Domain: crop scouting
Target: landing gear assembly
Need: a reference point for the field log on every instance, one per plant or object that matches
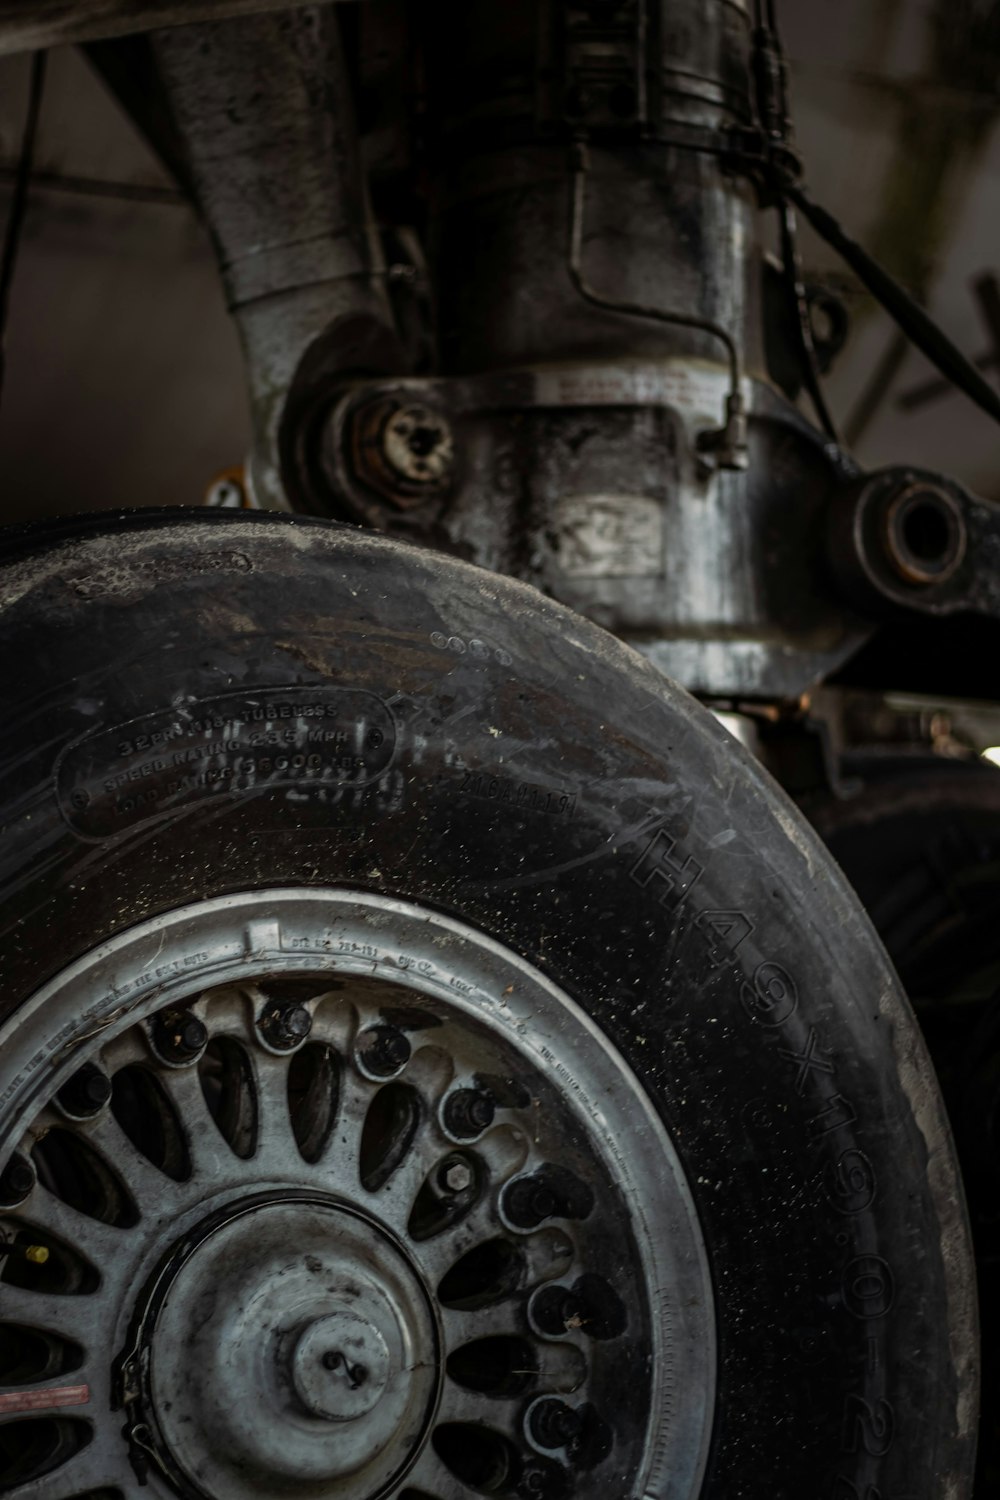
(435, 1059)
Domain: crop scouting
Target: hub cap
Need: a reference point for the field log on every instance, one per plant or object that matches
(322, 1194)
(290, 1342)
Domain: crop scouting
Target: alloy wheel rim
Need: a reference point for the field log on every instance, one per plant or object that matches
(446, 1244)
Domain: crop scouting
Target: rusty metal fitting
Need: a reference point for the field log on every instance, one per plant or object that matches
(924, 534)
(229, 491)
(405, 451)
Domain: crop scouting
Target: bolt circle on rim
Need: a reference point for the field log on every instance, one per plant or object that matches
(276, 1267)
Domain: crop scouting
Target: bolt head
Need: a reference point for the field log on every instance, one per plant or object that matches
(296, 1023)
(192, 1034)
(285, 1026)
(468, 1112)
(481, 1112)
(179, 1037)
(17, 1181)
(20, 1177)
(97, 1089)
(458, 1177)
(86, 1093)
(543, 1202)
(554, 1424)
(384, 1050)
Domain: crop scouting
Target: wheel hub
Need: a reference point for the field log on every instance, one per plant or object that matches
(340, 1367)
(287, 1341)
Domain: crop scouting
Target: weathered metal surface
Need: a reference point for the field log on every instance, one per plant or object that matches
(28, 24)
(597, 330)
(906, 540)
(587, 481)
(666, 226)
(264, 115)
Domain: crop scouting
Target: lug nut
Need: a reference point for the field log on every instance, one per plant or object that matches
(384, 1050)
(554, 1424)
(456, 1176)
(284, 1027)
(17, 1181)
(178, 1036)
(86, 1093)
(556, 1310)
(527, 1202)
(533, 1483)
(468, 1112)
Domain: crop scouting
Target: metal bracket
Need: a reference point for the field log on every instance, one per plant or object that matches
(593, 66)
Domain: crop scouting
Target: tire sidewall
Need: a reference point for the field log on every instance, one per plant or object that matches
(546, 786)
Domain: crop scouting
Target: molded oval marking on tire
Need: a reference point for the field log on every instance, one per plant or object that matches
(851, 1182)
(303, 739)
(869, 1287)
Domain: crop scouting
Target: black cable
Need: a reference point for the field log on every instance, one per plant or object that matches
(19, 196)
(800, 310)
(782, 172)
(771, 86)
(918, 327)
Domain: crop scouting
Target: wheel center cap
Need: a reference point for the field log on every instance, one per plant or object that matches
(340, 1367)
(288, 1339)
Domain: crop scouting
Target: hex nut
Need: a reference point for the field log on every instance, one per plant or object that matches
(85, 1094)
(384, 1050)
(284, 1027)
(457, 1176)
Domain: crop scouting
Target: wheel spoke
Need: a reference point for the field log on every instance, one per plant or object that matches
(430, 1477)
(504, 1150)
(93, 1468)
(84, 1318)
(506, 1318)
(335, 1022)
(394, 1200)
(127, 1047)
(444, 1249)
(208, 1152)
(98, 1243)
(337, 1165)
(500, 1413)
(356, 1094)
(276, 1143)
(154, 1192)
